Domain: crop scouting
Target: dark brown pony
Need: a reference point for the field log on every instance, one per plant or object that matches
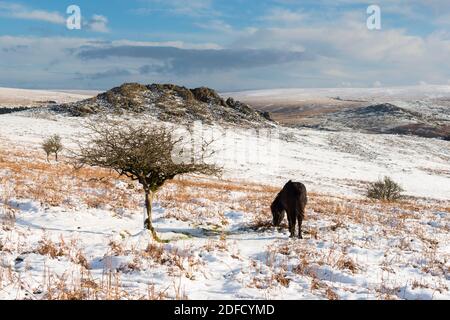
(291, 199)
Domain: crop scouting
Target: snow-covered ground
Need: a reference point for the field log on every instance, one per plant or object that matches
(65, 235)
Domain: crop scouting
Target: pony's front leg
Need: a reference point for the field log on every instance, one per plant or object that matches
(291, 221)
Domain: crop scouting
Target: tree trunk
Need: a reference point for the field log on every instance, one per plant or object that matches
(56, 156)
(148, 222)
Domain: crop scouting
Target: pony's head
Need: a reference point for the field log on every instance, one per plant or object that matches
(277, 211)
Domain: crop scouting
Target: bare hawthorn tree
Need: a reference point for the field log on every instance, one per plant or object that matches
(141, 153)
(52, 145)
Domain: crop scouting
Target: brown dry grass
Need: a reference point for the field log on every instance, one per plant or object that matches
(47, 247)
(59, 184)
(85, 287)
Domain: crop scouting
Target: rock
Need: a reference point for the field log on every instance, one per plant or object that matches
(169, 102)
(208, 96)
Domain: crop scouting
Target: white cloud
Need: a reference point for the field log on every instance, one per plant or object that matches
(377, 84)
(284, 16)
(216, 25)
(346, 84)
(19, 11)
(443, 20)
(344, 49)
(51, 62)
(98, 23)
(179, 7)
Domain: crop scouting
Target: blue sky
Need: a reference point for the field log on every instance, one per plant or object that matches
(227, 45)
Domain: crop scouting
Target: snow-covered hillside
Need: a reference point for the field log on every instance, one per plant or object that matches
(417, 110)
(69, 234)
(336, 162)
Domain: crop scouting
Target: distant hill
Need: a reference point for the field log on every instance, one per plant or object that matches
(383, 118)
(169, 103)
(413, 110)
(11, 98)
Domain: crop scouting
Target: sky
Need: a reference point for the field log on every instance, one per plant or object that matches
(229, 45)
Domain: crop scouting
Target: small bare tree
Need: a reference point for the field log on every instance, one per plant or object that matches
(52, 145)
(141, 153)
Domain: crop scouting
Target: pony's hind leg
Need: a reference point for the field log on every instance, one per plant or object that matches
(300, 221)
(292, 221)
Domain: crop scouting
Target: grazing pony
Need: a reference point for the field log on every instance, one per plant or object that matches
(291, 199)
